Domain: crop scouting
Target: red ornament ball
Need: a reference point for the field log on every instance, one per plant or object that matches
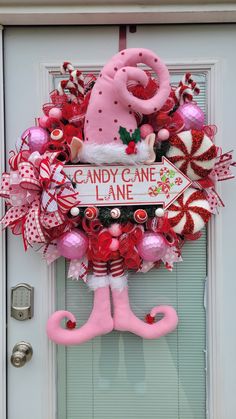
(140, 216)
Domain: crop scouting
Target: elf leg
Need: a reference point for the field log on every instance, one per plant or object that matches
(100, 321)
(125, 319)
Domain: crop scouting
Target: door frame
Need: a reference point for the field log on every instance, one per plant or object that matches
(115, 12)
(215, 275)
(3, 335)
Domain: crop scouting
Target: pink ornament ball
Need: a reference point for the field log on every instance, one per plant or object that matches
(145, 130)
(152, 246)
(192, 115)
(114, 246)
(55, 113)
(163, 134)
(37, 139)
(73, 244)
(43, 121)
(115, 230)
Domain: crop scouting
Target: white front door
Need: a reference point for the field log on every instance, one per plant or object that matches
(32, 60)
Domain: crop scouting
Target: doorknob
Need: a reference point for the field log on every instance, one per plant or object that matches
(21, 353)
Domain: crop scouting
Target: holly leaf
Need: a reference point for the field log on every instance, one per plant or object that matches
(163, 178)
(136, 137)
(124, 135)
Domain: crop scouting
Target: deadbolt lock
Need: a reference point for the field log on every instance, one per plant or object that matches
(22, 302)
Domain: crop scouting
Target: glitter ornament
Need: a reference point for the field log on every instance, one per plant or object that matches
(152, 246)
(37, 139)
(91, 213)
(115, 230)
(140, 216)
(192, 115)
(159, 212)
(72, 244)
(193, 152)
(163, 134)
(145, 130)
(190, 212)
(115, 213)
(75, 211)
(55, 113)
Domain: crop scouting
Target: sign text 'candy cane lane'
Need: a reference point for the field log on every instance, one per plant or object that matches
(155, 184)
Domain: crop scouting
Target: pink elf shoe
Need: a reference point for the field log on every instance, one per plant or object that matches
(125, 319)
(100, 321)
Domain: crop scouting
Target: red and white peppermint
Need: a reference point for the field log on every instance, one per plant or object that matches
(193, 153)
(91, 213)
(190, 212)
(164, 171)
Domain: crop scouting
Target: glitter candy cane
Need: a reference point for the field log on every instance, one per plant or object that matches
(187, 89)
(75, 84)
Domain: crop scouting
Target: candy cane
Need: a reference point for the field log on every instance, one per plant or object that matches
(187, 89)
(75, 84)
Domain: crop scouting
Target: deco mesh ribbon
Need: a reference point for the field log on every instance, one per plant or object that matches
(41, 201)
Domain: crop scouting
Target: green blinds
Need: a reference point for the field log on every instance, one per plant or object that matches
(121, 376)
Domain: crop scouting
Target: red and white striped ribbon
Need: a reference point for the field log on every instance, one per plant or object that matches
(99, 268)
(117, 267)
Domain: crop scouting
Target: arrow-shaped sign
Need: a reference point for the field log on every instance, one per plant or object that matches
(154, 184)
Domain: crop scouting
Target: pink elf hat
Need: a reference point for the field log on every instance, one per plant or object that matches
(112, 106)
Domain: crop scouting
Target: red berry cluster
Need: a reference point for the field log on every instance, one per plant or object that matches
(131, 149)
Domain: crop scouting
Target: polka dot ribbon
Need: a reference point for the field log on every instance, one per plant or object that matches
(38, 197)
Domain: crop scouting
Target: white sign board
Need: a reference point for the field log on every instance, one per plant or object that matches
(154, 184)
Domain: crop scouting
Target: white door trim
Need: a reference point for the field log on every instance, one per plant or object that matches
(97, 12)
(2, 250)
(215, 276)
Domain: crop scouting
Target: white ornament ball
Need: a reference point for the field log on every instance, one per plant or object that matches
(115, 213)
(159, 212)
(75, 211)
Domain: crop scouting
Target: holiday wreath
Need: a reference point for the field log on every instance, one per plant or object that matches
(117, 174)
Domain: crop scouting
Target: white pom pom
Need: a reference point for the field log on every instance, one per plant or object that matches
(75, 211)
(159, 212)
